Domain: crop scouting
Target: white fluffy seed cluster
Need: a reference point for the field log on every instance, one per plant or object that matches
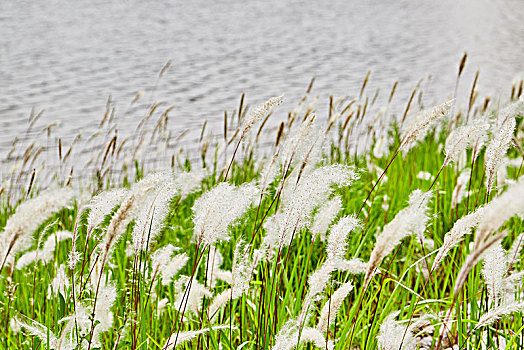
(395, 336)
(299, 200)
(418, 127)
(167, 266)
(502, 135)
(496, 213)
(325, 216)
(304, 146)
(102, 204)
(219, 208)
(178, 338)
(189, 294)
(409, 221)
(45, 254)
(501, 209)
(463, 226)
(497, 148)
(29, 215)
(258, 113)
(461, 187)
(330, 310)
(473, 135)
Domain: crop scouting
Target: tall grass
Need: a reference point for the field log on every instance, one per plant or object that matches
(363, 231)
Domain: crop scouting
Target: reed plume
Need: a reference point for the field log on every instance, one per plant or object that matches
(216, 210)
(300, 198)
(178, 338)
(330, 310)
(496, 313)
(502, 136)
(325, 216)
(409, 221)
(468, 136)
(419, 126)
(461, 227)
(395, 336)
(166, 266)
(495, 214)
(18, 230)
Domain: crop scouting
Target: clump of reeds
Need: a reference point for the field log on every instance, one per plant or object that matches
(281, 252)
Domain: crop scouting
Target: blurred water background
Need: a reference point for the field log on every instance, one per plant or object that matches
(68, 57)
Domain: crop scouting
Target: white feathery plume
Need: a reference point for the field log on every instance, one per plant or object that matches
(288, 337)
(331, 307)
(472, 135)
(242, 270)
(419, 126)
(497, 264)
(499, 210)
(284, 338)
(165, 265)
(474, 257)
(500, 143)
(155, 186)
(152, 216)
(216, 210)
(353, 266)
(102, 204)
(313, 335)
(302, 145)
(14, 325)
(300, 200)
(494, 268)
(182, 337)
(409, 221)
(258, 113)
(394, 336)
(461, 187)
(81, 319)
(189, 182)
(218, 301)
(105, 300)
(46, 253)
(268, 172)
(117, 227)
(511, 285)
(44, 333)
(338, 235)
(129, 210)
(151, 182)
(157, 194)
(317, 281)
(18, 230)
(325, 216)
(189, 300)
(462, 226)
(498, 312)
(73, 257)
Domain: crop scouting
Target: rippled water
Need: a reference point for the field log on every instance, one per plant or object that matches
(67, 57)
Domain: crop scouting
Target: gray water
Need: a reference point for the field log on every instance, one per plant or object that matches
(67, 57)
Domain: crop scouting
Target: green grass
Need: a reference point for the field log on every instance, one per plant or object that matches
(278, 288)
